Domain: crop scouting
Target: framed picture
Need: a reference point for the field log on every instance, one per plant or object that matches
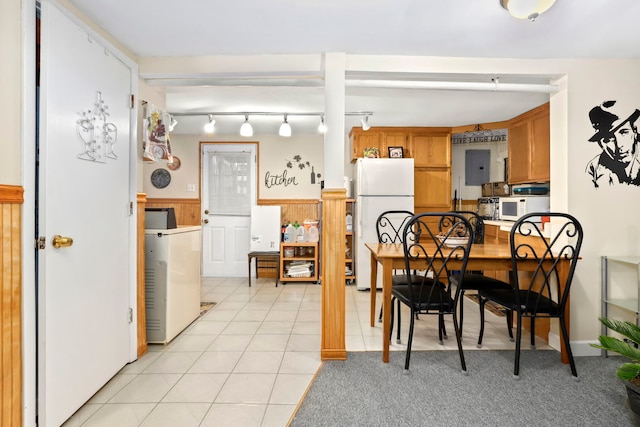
(396, 152)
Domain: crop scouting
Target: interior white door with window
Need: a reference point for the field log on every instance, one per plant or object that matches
(228, 192)
(84, 195)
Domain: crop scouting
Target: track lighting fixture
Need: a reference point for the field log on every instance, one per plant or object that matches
(527, 9)
(285, 128)
(210, 126)
(322, 128)
(246, 129)
(365, 123)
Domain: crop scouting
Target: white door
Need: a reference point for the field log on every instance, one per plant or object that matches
(84, 194)
(228, 192)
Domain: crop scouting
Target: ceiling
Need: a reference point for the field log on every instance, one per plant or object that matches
(452, 28)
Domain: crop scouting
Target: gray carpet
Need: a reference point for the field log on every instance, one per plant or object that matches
(363, 391)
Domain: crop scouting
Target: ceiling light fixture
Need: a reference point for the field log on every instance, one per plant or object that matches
(210, 126)
(246, 129)
(527, 9)
(322, 128)
(365, 123)
(285, 128)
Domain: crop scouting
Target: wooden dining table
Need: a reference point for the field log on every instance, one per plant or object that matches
(487, 256)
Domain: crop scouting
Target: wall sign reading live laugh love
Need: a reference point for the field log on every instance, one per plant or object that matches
(480, 136)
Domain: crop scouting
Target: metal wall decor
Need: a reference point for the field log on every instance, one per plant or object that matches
(96, 133)
(160, 178)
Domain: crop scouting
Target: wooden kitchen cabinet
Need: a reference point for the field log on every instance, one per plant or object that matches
(361, 139)
(529, 150)
(395, 138)
(430, 149)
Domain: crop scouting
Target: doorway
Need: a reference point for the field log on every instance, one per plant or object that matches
(229, 188)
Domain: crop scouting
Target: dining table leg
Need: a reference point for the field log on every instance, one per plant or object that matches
(372, 289)
(387, 276)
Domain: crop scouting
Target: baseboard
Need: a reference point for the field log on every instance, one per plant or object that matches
(579, 348)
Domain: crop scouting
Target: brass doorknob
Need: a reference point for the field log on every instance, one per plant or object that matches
(206, 221)
(59, 241)
(206, 212)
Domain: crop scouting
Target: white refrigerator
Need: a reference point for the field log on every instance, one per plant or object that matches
(380, 185)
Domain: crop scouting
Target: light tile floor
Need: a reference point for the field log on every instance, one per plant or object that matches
(248, 361)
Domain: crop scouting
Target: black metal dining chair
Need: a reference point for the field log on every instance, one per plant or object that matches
(432, 254)
(389, 226)
(543, 292)
(473, 280)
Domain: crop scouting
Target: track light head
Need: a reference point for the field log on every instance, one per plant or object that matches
(246, 129)
(365, 123)
(172, 124)
(210, 126)
(322, 128)
(285, 128)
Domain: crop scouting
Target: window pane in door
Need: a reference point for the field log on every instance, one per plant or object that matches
(229, 183)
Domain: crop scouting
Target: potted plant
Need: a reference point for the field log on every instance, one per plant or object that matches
(628, 372)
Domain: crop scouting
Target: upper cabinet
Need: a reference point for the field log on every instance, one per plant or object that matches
(529, 136)
(433, 143)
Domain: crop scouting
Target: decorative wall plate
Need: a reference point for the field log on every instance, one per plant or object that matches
(175, 165)
(160, 178)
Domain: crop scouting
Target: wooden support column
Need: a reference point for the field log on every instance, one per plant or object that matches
(333, 345)
(11, 201)
(141, 282)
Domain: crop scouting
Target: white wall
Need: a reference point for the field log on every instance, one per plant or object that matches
(498, 151)
(275, 153)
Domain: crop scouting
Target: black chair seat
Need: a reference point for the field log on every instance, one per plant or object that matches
(426, 298)
(531, 303)
(403, 279)
(478, 282)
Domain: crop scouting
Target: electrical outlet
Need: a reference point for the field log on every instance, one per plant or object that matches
(191, 188)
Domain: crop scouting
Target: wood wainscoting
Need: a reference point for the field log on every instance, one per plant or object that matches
(187, 210)
(11, 200)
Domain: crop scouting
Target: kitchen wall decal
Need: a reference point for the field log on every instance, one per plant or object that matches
(290, 176)
(96, 133)
(616, 132)
(155, 136)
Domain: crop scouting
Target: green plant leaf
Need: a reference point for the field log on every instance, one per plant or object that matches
(627, 329)
(628, 371)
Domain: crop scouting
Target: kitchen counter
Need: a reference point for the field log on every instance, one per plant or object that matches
(507, 225)
(504, 225)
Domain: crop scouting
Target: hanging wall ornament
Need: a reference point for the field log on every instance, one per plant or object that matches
(96, 133)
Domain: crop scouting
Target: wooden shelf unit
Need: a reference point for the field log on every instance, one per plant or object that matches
(349, 261)
(302, 251)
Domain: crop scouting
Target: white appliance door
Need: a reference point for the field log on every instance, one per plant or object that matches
(368, 209)
(265, 228)
(384, 177)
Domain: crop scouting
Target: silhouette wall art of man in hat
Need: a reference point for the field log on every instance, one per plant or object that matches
(617, 135)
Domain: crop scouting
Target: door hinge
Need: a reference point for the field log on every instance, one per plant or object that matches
(130, 315)
(133, 100)
(41, 242)
(130, 208)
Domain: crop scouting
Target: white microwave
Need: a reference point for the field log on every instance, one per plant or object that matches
(512, 208)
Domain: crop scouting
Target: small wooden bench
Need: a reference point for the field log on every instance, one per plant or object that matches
(267, 256)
